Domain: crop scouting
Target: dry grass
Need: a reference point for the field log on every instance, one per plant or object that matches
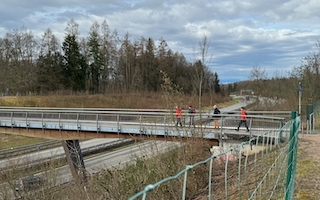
(221, 104)
(282, 105)
(307, 183)
(122, 183)
(123, 100)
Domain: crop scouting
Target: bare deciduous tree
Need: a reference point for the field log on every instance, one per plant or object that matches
(201, 60)
(257, 76)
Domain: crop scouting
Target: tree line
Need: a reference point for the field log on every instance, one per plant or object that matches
(286, 85)
(100, 62)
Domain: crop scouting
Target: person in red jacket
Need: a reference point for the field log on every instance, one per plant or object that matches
(178, 115)
(243, 119)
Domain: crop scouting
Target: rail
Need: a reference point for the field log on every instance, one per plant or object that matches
(127, 110)
(28, 148)
(158, 123)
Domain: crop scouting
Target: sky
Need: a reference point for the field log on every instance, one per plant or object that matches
(272, 34)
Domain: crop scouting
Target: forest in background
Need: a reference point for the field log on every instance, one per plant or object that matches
(103, 62)
(286, 85)
(99, 63)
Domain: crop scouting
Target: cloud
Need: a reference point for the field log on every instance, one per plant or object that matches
(274, 34)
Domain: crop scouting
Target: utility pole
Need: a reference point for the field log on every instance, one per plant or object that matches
(300, 89)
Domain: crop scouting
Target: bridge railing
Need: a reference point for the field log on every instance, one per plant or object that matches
(261, 168)
(135, 122)
(55, 109)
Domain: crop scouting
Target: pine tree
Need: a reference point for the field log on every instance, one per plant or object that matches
(217, 88)
(75, 67)
(95, 58)
(151, 67)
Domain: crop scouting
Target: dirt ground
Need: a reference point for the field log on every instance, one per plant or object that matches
(307, 182)
(307, 185)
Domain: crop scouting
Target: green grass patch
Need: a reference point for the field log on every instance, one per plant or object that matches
(7, 141)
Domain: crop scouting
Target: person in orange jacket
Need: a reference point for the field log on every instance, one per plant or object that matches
(243, 119)
(178, 115)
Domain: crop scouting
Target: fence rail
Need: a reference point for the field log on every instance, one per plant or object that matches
(261, 168)
(125, 110)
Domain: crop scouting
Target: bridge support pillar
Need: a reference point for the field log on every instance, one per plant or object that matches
(75, 159)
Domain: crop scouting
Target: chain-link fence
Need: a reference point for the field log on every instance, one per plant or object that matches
(261, 168)
(310, 112)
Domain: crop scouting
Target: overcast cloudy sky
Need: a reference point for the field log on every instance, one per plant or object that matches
(274, 34)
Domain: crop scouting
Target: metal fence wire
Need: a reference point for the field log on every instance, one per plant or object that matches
(310, 111)
(316, 107)
(262, 168)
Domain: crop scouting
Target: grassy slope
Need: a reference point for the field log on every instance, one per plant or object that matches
(7, 141)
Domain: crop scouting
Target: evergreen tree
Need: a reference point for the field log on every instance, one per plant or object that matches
(216, 83)
(95, 58)
(151, 67)
(75, 67)
(99, 62)
(235, 87)
(230, 88)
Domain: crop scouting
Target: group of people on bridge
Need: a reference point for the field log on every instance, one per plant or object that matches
(216, 111)
(179, 115)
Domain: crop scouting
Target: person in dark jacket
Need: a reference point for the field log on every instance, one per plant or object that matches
(243, 119)
(216, 111)
(191, 111)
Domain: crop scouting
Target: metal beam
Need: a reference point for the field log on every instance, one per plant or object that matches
(73, 134)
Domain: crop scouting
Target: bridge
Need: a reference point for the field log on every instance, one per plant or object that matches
(71, 124)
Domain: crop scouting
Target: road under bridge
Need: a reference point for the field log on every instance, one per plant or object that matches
(70, 125)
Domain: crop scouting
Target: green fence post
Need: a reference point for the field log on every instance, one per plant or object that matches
(291, 140)
(294, 165)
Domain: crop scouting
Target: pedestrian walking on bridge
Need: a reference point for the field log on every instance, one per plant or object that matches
(215, 118)
(191, 111)
(178, 115)
(243, 119)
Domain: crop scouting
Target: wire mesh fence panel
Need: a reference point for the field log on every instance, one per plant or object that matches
(106, 117)
(261, 168)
